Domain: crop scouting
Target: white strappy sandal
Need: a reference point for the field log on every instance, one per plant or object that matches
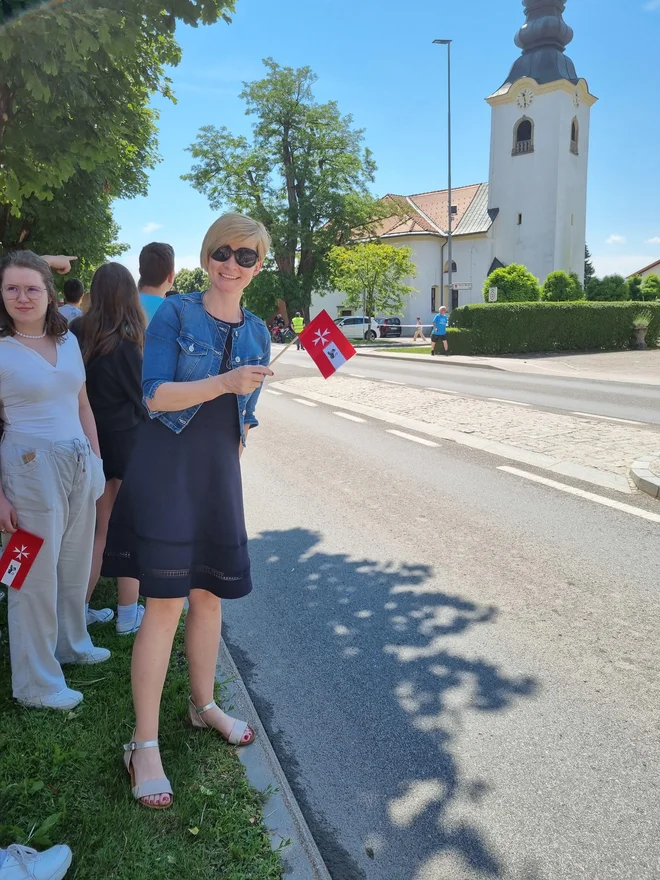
(151, 786)
(238, 731)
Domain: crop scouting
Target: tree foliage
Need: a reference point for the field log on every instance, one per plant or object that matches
(514, 284)
(635, 288)
(304, 174)
(191, 281)
(561, 287)
(611, 288)
(371, 276)
(75, 82)
(651, 288)
(589, 271)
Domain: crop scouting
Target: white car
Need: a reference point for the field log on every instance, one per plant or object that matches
(358, 327)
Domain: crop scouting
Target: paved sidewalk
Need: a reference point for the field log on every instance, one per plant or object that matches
(635, 367)
(589, 449)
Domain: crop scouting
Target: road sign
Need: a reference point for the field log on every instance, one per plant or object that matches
(461, 285)
(492, 295)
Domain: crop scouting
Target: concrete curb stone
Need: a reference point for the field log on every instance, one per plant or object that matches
(283, 819)
(644, 478)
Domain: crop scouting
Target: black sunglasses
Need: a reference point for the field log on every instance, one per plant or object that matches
(245, 257)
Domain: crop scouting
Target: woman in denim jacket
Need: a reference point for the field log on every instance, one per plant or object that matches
(178, 524)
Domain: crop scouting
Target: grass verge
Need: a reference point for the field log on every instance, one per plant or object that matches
(62, 780)
(418, 349)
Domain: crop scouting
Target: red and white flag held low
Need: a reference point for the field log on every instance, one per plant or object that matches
(326, 344)
(18, 558)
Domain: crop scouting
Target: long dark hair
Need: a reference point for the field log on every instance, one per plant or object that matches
(56, 325)
(114, 313)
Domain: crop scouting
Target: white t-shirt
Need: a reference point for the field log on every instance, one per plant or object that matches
(37, 398)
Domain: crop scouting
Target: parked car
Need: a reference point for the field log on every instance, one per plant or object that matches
(390, 327)
(358, 327)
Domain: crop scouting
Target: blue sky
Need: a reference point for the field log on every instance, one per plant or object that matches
(375, 58)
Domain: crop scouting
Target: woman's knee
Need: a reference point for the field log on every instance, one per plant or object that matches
(164, 610)
(204, 601)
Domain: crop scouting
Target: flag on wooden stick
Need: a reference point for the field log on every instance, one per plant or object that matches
(326, 344)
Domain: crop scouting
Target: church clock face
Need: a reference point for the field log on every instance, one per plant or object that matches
(525, 99)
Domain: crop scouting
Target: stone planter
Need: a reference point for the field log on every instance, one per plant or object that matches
(640, 336)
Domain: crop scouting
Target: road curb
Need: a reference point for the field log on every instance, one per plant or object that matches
(283, 818)
(644, 478)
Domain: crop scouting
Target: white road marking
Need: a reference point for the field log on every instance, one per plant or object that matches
(581, 493)
(414, 439)
(443, 390)
(607, 418)
(270, 391)
(356, 375)
(391, 382)
(350, 418)
(304, 402)
(504, 400)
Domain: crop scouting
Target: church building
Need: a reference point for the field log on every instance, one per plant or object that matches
(533, 209)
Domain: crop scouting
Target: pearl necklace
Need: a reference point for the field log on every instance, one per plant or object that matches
(30, 335)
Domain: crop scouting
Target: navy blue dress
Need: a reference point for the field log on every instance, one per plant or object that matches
(178, 523)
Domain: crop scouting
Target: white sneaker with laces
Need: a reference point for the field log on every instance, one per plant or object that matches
(65, 700)
(96, 655)
(99, 615)
(131, 626)
(25, 863)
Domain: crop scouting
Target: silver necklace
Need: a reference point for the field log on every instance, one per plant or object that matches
(30, 335)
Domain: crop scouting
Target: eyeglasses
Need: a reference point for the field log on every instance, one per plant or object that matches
(33, 293)
(245, 257)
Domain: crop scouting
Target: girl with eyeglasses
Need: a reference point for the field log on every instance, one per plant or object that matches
(178, 523)
(51, 476)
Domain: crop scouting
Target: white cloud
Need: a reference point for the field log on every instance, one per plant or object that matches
(654, 240)
(620, 264)
(151, 227)
(616, 239)
(652, 5)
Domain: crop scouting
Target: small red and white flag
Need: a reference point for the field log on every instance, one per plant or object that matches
(326, 344)
(18, 558)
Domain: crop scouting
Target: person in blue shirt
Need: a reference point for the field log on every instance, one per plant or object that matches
(440, 330)
(156, 276)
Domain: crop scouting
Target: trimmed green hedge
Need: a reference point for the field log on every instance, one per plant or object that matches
(516, 328)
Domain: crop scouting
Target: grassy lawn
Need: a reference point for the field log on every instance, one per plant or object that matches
(417, 349)
(62, 780)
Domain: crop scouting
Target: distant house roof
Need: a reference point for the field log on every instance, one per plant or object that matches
(655, 265)
(428, 212)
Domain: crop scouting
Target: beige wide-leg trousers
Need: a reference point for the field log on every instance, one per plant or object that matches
(54, 487)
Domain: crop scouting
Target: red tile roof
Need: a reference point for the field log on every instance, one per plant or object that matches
(428, 212)
(646, 269)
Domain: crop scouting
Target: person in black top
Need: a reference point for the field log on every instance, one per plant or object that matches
(111, 336)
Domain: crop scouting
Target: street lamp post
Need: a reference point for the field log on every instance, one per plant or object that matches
(450, 218)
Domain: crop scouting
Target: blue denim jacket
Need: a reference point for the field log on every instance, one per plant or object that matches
(184, 344)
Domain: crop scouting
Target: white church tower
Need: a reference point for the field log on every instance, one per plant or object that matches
(539, 150)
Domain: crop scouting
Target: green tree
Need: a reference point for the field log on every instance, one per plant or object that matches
(371, 276)
(651, 288)
(75, 84)
(589, 271)
(514, 284)
(635, 288)
(191, 281)
(304, 174)
(562, 287)
(264, 292)
(611, 288)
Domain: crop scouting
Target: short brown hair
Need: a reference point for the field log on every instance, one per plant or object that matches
(56, 325)
(156, 263)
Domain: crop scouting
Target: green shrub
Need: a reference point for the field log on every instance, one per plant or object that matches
(514, 284)
(611, 288)
(459, 341)
(650, 288)
(635, 287)
(516, 328)
(561, 287)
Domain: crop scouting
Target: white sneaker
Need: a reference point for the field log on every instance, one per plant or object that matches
(64, 700)
(126, 627)
(96, 655)
(25, 863)
(99, 615)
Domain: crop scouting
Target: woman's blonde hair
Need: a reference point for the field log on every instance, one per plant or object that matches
(234, 228)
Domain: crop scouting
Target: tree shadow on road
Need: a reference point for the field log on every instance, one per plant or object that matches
(388, 646)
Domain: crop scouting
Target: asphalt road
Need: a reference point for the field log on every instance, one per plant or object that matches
(617, 400)
(458, 667)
